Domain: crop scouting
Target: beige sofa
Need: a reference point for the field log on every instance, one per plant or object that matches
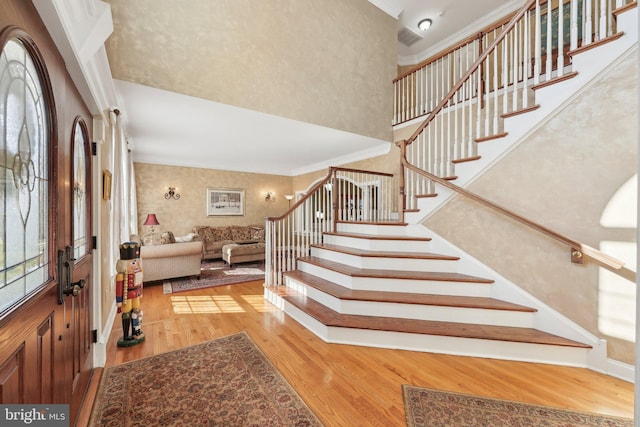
(215, 238)
(170, 260)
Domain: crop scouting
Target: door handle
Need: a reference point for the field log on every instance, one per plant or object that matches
(65, 273)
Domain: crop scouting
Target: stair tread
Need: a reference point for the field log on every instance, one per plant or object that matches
(384, 254)
(377, 236)
(344, 293)
(393, 274)
(329, 317)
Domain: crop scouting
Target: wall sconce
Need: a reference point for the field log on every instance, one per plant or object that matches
(172, 194)
(289, 197)
(328, 186)
(270, 197)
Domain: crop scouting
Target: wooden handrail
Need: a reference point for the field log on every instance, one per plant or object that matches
(319, 184)
(486, 30)
(471, 70)
(304, 198)
(578, 249)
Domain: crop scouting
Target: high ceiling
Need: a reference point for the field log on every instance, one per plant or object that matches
(169, 125)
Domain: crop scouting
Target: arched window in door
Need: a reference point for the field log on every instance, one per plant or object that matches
(24, 170)
(80, 174)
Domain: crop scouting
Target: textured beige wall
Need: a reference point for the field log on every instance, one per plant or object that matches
(179, 216)
(327, 62)
(389, 163)
(562, 176)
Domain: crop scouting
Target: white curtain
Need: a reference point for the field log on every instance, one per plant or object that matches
(133, 200)
(119, 192)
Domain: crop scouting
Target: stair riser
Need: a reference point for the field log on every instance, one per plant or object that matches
(406, 264)
(379, 245)
(536, 353)
(417, 311)
(398, 285)
(380, 230)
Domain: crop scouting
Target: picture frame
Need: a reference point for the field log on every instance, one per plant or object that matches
(225, 202)
(106, 185)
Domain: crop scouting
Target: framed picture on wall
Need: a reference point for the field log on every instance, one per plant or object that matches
(225, 202)
(106, 185)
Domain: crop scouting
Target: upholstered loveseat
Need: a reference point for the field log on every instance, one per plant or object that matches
(171, 259)
(247, 239)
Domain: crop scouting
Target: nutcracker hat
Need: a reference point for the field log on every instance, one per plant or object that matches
(129, 250)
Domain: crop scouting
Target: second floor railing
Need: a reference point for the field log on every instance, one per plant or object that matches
(499, 83)
(534, 50)
(344, 195)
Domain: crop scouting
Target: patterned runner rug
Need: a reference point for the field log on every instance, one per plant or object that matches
(216, 273)
(435, 408)
(224, 382)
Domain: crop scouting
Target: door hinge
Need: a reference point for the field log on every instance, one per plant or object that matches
(94, 242)
(94, 148)
(94, 336)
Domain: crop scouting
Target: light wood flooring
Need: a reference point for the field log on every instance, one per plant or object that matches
(350, 385)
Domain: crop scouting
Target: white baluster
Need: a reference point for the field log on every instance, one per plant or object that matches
(537, 54)
(549, 50)
(574, 25)
(527, 60)
(603, 19)
(514, 64)
(588, 25)
(560, 59)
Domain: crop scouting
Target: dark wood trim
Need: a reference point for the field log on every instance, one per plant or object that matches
(520, 111)
(555, 80)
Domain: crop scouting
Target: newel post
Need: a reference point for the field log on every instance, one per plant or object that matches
(402, 203)
(334, 199)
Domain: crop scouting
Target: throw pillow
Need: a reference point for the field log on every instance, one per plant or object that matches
(257, 233)
(168, 237)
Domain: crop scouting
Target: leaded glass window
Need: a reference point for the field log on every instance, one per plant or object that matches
(24, 158)
(79, 192)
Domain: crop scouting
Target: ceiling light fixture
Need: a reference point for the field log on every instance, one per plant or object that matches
(425, 24)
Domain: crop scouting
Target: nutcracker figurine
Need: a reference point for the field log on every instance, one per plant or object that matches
(129, 292)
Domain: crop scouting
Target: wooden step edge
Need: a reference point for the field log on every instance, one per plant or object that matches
(377, 237)
(452, 301)
(595, 44)
(435, 276)
(385, 223)
(384, 254)
(520, 111)
(411, 210)
(466, 159)
(424, 196)
(623, 9)
(332, 318)
(491, 137)
(555, 80)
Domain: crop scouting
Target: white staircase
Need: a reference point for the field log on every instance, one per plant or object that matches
(400, 286)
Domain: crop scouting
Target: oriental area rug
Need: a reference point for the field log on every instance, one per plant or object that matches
(436, 408)
(216, 273)
(224, 382)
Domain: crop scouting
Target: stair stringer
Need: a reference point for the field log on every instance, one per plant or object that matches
(545, 318)
(589, 64)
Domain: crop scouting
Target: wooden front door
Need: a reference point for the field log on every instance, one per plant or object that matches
(45, 244)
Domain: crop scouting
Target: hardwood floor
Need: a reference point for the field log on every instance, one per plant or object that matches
(350, 385)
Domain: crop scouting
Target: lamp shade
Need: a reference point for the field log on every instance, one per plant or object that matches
(151, 220)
